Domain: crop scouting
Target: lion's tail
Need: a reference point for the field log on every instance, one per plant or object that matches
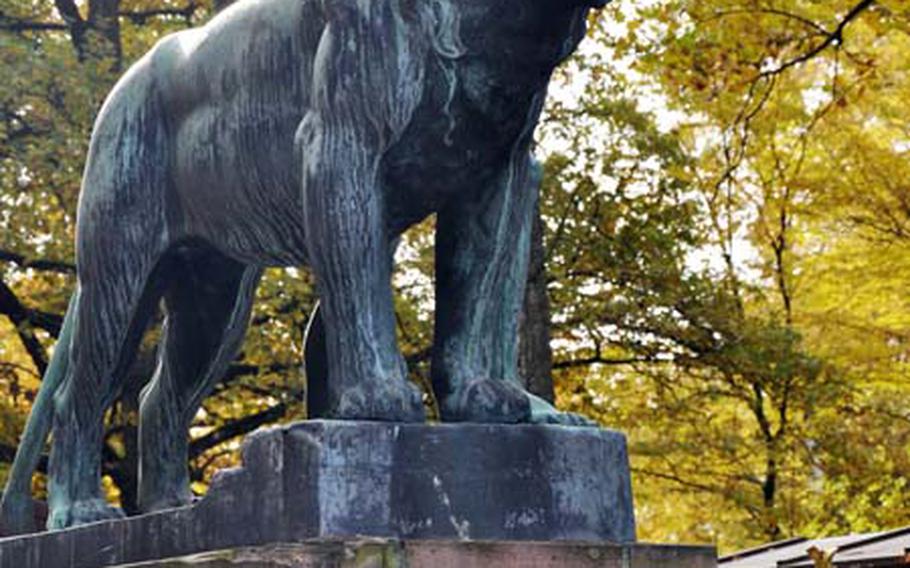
(17, 510)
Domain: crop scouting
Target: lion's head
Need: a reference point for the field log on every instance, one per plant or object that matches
(535, 31)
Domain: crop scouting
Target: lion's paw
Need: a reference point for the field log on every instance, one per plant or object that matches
(542, 412)
(401, 402)
(487, 401)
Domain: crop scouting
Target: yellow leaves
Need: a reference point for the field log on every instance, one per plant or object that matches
(797, 156)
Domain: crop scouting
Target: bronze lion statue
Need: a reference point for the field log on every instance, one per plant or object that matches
(301, 133)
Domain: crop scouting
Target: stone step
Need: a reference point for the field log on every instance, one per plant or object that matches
(446, 554)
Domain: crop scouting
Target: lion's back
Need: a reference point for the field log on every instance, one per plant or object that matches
(251, 47)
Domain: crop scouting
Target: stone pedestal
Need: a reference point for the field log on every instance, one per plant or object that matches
(446, 554)
(337, 481)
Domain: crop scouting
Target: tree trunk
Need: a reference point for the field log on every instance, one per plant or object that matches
(104, 19)
(98, 36)
(535, 357)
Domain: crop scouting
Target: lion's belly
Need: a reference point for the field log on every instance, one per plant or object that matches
(237, 89)
(237, 183)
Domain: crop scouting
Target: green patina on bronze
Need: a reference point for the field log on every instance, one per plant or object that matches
(302, 133)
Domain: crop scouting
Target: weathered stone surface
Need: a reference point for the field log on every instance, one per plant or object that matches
(446, 554)
(337, 480)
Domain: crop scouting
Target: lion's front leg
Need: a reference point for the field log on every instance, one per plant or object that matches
(481, 267)
(482, 255)
(365, 88)
(357, 108)
(349, 250)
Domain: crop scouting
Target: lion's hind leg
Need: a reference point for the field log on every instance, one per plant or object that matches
(112, 310)
(207, 307)
(122, 235)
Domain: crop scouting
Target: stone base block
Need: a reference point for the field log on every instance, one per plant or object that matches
(343, 480)
(446, 554)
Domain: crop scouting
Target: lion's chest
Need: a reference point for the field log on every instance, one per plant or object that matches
(460, 137)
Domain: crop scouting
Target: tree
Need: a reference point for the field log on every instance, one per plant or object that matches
(739, 357)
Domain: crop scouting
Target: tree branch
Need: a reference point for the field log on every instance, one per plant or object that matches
(774, 12)
(141, 16)
(236, 428)
(23, 261)
(21, 318)
(599, 360)
(11, 24)
(238, 370)
(74, 22)
(834, 38)
(680, 480)
(69, 12)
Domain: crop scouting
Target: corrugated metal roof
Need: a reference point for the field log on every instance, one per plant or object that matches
(884, 549)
